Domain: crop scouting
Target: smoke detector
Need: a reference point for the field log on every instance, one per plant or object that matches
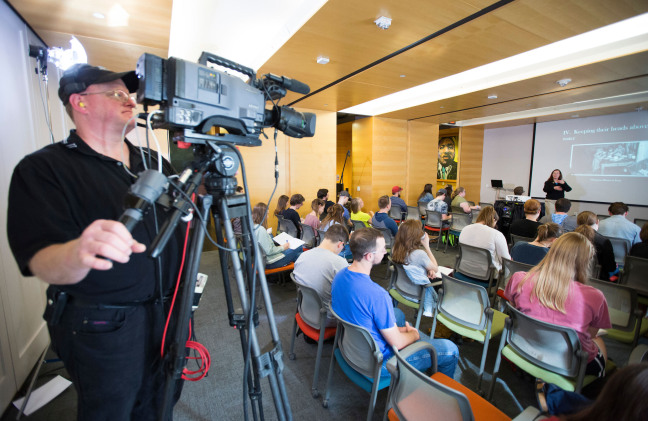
(563, 82)
(383, 22)
(322, 60)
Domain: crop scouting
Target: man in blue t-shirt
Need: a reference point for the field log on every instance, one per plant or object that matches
(381, 219)
(358, 300)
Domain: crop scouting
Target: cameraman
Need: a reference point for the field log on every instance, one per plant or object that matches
(107, 300)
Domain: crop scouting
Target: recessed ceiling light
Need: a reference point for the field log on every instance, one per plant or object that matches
(99, 15)
(442, 106)
(383, 22)
(322, 60)
(575, 116)
(563, 82)
(492, 96)
(402, 75)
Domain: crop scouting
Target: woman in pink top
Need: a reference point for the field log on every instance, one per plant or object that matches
(554, 291)
(312, 218)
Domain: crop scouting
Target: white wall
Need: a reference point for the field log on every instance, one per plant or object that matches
(507, 156)
(23, 334)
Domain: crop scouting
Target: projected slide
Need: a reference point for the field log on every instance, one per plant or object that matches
(603, 159)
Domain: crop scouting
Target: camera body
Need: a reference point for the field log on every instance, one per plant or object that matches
(195, 97)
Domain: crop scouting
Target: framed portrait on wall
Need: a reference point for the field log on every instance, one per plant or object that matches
(448, 164)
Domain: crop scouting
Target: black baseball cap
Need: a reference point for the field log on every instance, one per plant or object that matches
(78, 77)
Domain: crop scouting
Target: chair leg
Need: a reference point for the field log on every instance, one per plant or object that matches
(498, 360)
(291, 355)
(418, 316)
(327, 394)
(374, 394)
(318, 359)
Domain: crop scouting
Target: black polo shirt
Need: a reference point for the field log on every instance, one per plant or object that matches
(58, 191)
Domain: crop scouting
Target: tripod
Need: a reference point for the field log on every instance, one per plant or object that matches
(222, 160)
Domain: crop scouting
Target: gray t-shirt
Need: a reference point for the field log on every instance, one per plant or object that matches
(418, 261)
(316, 268)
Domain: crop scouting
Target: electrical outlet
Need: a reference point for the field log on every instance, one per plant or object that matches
(358, 188)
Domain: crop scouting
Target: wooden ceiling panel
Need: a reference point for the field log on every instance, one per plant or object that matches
(148, 22)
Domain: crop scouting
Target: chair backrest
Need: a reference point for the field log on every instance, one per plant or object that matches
(640, 222)
(552, 347)
(474, 262)
(509, 267)
(621, 247)
(518, 238)
(413, 213)
(287, 226)
(308, 236)
(402, 283)
(634, 274)
(413, 395)
(433, 219)
(484, 204)
(358, 224)
(464, 303)
(456, 209)
(622, 303)
(320, 236)
(460, 220)
(395, 212)
(358, 348)
(602, 217)
(389, 237)
(309, 304)
(422, 206)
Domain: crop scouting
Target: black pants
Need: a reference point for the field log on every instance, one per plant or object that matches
(113, 357)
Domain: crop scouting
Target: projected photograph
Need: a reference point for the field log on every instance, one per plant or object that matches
(620, 158)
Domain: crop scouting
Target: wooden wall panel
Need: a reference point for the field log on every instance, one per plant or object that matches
(389, 159)
(305, 165)
(361, 153)
(344, 144)
(422, 159)
(312, 160)
(471, 141)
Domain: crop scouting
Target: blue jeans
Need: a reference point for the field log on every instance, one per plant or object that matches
(290, 256)
(346, 252)
(447, 353)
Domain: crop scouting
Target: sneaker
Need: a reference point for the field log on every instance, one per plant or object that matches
(427, 313)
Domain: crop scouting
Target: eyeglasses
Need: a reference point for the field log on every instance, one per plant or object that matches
(117, 94)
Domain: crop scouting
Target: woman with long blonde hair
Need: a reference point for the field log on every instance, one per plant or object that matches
(555, 291)
(412, 250)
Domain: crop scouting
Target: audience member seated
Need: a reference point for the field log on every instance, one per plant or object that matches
(276, 256)
(426, 195)
(554, 291)
(282, 205)
(448, 196)
(324, 195)
(317, 268)
(641, 249)
(603, 246)
(313, 218)
(342, 201)
(562, 207)
(412, 250)
(296, 202)
(359, 300)
(381, 219)
(518, 191)
(335, 215)
(527, 227)
(624, 397)
(356, 211)
(397, 201)
(439, 205)
(531, 253)
(618, 226)
(459, 200)
(483, 234)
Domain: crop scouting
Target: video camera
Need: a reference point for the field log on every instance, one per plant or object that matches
(195, 98)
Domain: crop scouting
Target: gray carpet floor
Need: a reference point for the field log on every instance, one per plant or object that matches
(220, 395)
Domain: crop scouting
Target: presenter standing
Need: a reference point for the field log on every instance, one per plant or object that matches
(555, 187)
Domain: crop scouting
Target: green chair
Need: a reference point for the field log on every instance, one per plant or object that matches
(625, 315)
(509, 267)
(406, 292)
(546, 351)
(358, 224)
(464, 308)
